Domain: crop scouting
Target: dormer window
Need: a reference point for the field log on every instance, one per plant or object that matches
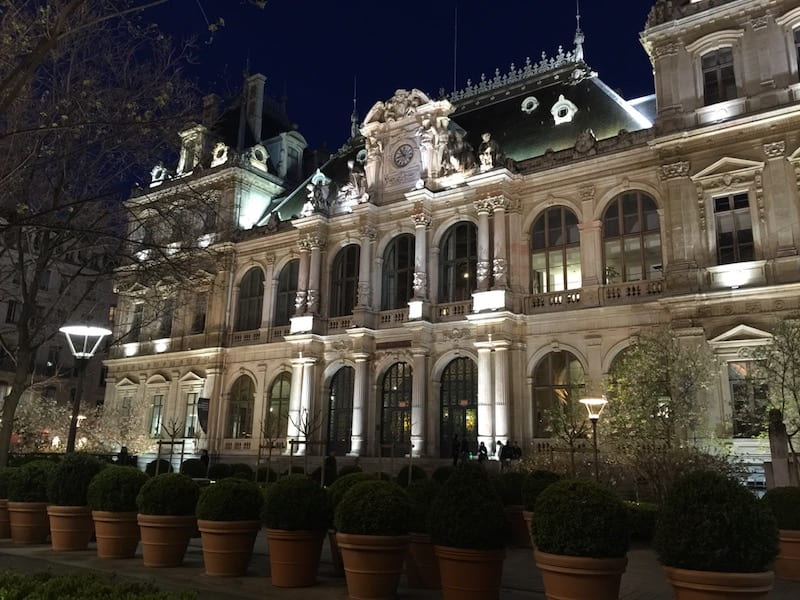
(719, 80)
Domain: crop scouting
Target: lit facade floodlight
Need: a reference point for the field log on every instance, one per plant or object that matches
(594, 406)
(83, 340)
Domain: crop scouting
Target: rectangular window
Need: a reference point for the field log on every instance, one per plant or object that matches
(199, 315)
(126, 404)
(719, 80)
(190, 423)
(734, 229)
(156, 413)
(749, 396)
(12, 312)
(165, 323)
(136, 323)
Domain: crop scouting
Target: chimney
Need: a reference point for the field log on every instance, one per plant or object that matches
(210, 109)
(254, 103)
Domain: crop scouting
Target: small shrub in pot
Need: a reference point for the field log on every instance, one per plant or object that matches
(157, 467)
(421, 493)
(374, 508)
(534, 484)
(642, 519)
(169, 494)
(29, 482)
(784, 504)
(194, 467)
(349, 470)
(442, 474)
(416, 474)
(5, 476)
(296, 503)
(342, 485)
(68, 483)
(220, 471)
(114, 489)
(230, 500)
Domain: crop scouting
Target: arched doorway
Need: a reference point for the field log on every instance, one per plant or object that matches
(340, 411)
(396, 411)
(458, 395)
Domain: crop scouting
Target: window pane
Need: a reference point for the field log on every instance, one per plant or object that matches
(539, 268)
(573, 268)
(556, 271)
(613, 268)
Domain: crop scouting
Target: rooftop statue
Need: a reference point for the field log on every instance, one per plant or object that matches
(489, 153)
(318, 190)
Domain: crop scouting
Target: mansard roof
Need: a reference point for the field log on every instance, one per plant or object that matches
(671, 10)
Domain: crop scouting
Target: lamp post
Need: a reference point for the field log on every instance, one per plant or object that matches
(83, 342)
(594, 406)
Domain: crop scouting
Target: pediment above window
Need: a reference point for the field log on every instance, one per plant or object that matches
(192, 377)
(126, 382)
(741, 335)
(727, 167)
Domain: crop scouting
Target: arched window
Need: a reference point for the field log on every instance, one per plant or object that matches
(631, 239)
(251, 300)
(287, 292)
(396, 416)
(398, 273)
(458, 263)
(458, 394)
(555, 251)
(340, 411)
(277, 420)
(558, 384)
(344, 281)
(240, 408)
(719, 79)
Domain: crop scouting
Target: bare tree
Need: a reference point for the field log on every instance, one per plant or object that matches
(306, 424)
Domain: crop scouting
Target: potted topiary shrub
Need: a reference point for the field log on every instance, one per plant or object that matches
(442, 474)
(194, 468)
(407, 475)
(220, 471)
(27, 502)
(470, 530)
(5, 527)
(510, 489)
(534, 484)
(336, 492)
(166, 518)
(712, 533)
(581, 537)
(296, 514)
(349, 470)
(228, 517)
(642, 520)
(157, 467)
(372, 524)
(784, 503)
(112, 498)
(422, 566)
(70, 516)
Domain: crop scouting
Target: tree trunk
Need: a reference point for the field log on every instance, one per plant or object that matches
(779, 449)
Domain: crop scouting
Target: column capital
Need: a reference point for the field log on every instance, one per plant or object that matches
(421, 218)
(484, 205)
(368, 232)
(499, 203)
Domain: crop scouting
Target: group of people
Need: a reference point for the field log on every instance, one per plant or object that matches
(505, 452)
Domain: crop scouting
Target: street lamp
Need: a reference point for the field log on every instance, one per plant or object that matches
(594, 406)
(83, 342)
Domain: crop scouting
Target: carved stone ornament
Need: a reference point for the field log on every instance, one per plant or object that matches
(484, 205)
(158, 175)
(483, 270)
(354, 191)
(489, 153)
(585, 142)
(759, 22)
(499, 268)
(775, 149)
(258, 156)
(563, 110)
(455, 335)
(674, 170)
(318, 191)
(404, 103)
(529, 105)
(421, 218)
(666, 50)
(420, 284)
(219, 155)
(299, 302)
(587, 193)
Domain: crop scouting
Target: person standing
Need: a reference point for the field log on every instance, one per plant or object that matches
(483, 453)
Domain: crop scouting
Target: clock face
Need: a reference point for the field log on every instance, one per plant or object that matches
(403, 155)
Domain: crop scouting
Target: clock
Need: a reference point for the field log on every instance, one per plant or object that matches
(403, 155)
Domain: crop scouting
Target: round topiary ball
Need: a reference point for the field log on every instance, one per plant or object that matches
(710, 522)
(265, 474)
(340, 487)
(194, 467)
(784, 503)
(220, 471)
(5, 475)
(534, 484)
(29, 482)
(510, 488)
(170, 494)
(417, 473)
(468, 512)
(68, 483)
(296, 503)
(422, 493)
(576, 517)
(114, 489)
(230, 500)
(349, 470)
(443, 473)
(374, 508)
(161, 465)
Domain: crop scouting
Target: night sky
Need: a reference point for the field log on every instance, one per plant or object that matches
(310, 50)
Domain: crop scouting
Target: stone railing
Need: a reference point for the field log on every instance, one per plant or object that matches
(392, 318)
(340, 323)
(239, 444)
(247, 338)
(633, 291)
(563, 300)
(453, 311)
(276, 334)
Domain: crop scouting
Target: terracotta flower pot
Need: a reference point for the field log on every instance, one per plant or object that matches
(710, 585)
(294, 557)
(336, 555)
(422, 566)
(227, 546)
(527, 516)
(578, 577)
(372, 564)
(520, 533)
(70, 527)
(117, 534)
(470, 574)
(5, 526)
(29, 522)
(787, 565)
(165, 538)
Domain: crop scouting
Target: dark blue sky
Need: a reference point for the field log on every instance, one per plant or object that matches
(311, 49)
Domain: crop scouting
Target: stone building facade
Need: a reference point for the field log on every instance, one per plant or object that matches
(464, 262)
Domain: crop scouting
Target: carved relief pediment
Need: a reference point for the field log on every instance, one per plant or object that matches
(404, 103)
(742, 334)
(191, 377)
(727, 166)
(126, 382)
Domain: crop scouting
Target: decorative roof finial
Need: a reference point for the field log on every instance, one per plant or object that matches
(579, 37)
(354, 128)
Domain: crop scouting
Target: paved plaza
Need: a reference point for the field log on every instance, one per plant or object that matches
(643, 580)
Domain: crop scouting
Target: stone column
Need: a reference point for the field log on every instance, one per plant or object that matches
(591, 254)
(500, 261)
(485, 393)
(292, 431)
(270, 287)
(484, 207)
(422, 221)
(502, 394)
(308, 419)
(419, 386)
(317, 244)
(368, 235)
(211, 390)
(302, 278)
(358, 437)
